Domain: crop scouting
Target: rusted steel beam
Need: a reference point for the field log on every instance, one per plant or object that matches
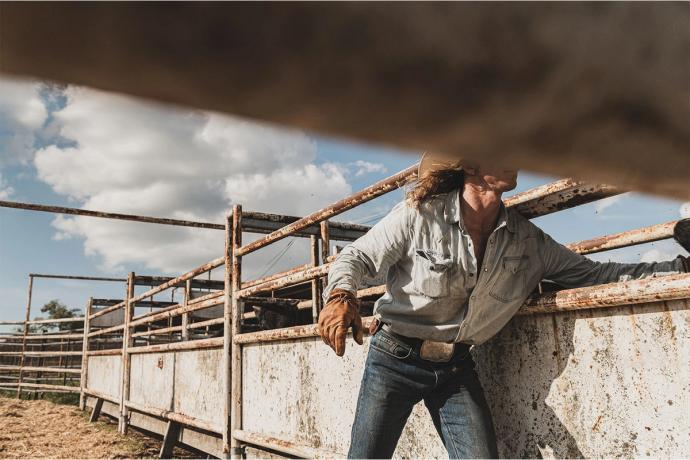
(185, 316)
(369, 193)
(284, 446)
(623, 239)
(556, 196)
(173, 416)
(257, 223)
(646, 290)
(151, 317)
(214, 342)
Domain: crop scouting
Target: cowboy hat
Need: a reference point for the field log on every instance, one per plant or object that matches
(433, 161)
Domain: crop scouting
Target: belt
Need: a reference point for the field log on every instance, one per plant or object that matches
(416, 343)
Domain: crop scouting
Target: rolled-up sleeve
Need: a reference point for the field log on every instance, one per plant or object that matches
(570, 269)
(368, 256)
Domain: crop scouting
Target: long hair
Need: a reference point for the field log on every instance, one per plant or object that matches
(435, 183)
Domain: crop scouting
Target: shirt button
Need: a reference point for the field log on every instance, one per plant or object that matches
(471, 274)
(472, 297)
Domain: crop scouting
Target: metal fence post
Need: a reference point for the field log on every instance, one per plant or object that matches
(126, 344)
(26, 331)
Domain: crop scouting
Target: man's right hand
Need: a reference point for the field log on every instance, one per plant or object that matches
(340, 313)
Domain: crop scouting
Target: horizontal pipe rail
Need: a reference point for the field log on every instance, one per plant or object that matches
(557, 196)
(200, 324)
(55, 336)
(215, 342)
(367, 194)
(58, 370)
(103, 396)
(283, 446)
(107, 330)
(45, 386)
(653, 289)
(294, 278)
(75, 277)
(255, 222)
(40, 353)
(149, 318)
(164, 330)
(624, 239)
(56, 321)
(113, 352)
(173, 416)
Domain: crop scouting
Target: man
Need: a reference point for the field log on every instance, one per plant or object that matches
(458, 266)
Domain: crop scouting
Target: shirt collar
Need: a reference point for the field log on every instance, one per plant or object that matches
(452, 212)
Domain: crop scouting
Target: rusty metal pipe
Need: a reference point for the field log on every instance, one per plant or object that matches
(369, 193)
(624, 239)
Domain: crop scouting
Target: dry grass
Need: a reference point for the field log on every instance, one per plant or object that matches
(42, 429)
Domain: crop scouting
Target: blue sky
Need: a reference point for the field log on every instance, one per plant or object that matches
(83, 148)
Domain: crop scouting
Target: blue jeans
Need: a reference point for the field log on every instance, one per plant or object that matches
(396, 378)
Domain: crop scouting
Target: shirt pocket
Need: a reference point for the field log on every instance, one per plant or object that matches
(431, 273)
(511, 278)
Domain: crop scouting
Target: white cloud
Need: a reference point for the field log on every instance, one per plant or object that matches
(141, 158)
(22, 114)
(5, 189)
(367, 167)
(601, 205)
(684, 210)
(656, 255)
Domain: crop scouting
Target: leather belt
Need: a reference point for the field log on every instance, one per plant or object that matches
(416, 344)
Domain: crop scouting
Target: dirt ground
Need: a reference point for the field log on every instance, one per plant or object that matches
(42, 429)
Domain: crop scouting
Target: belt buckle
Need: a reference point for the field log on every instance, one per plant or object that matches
(437, 352)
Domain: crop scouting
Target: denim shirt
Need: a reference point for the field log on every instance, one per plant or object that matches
(433, 288)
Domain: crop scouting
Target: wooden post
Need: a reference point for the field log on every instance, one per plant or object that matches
(126, 343)
(185, 316)
(315, 283)
(96, 410)
(172, 434)
(84, 355)
(235, 348)
(26, 331)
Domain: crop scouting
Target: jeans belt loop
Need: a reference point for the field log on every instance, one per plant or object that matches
(416, 343)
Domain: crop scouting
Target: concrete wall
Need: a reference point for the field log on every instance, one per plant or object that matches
(595, 383)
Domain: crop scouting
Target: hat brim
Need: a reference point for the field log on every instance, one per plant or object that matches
(432, 161)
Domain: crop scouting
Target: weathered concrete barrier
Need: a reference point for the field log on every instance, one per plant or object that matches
(589, 383)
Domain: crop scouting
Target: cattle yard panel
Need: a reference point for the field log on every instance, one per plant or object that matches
(167, 370)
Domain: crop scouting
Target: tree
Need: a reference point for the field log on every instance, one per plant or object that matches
(57, 310)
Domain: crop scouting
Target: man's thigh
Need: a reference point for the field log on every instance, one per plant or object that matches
(462, 417)
(390, 388)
